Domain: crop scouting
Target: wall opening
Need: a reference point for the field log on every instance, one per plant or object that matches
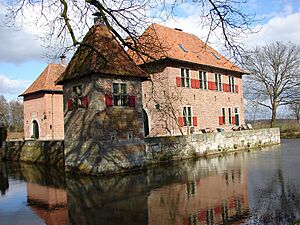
(35, 130)
(146, 123)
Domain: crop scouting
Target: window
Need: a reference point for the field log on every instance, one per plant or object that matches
(203, 80)
(231, 84)
(187, 116)
(229, 116)
(191, 189)
(224, 115)
(185, 78)
(77, 101)
(218, 82)
(120, 96)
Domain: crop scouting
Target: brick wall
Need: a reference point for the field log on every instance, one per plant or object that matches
(163, 100)
(47, 110)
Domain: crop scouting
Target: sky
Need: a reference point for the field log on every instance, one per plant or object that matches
(22, 57)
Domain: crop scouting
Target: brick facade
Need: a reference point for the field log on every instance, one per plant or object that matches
(164, 99)
(46, 109)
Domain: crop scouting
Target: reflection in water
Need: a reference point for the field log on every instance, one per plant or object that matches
(4, 185)
(49, 203)
(246, 188)
(188, 193)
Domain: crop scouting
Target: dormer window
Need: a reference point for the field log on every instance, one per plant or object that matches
(182, 48)
(215, 55)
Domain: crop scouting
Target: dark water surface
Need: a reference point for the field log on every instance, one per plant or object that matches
(259, 187)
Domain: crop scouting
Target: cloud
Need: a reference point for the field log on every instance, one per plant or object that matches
(279, 28)
(18, 45)
(12, 87)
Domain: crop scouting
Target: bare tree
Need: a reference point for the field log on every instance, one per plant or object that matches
(295, 108)
(67, 20)
(15, 115)
(3, 111)
(275, 75)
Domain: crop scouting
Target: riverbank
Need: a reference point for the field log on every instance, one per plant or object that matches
(289, 128)
(156, 150)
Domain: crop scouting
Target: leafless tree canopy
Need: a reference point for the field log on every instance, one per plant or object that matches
(65, 21)
(11, 114)
(275, 75)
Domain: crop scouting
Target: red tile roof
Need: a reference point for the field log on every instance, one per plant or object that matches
(46, 81)
(178, 45)
(110, 57)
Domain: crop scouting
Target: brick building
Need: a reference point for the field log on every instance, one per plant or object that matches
(43, 112)
(102, 105)
(192, 85)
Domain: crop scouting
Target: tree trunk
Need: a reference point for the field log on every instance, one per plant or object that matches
(274, 110)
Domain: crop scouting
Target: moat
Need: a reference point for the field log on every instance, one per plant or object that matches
(257, 187)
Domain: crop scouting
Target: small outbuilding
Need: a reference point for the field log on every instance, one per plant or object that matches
(103, 112)
(43, 109)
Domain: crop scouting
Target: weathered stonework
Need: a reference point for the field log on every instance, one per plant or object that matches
(101, 139)
(181, 147)
(99, 157)
(44, 152)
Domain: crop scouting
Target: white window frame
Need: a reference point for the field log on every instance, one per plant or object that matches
(185, 118)
(120, 94)
(185, 80)
(223, 115)
(218, 82)
(203, 79)
(231, 84)
(230, 115)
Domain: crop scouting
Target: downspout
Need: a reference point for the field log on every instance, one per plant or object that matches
(52, 116)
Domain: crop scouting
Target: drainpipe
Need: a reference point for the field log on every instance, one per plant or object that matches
(52, 116)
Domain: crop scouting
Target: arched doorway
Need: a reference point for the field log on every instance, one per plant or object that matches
(35, 130)
(146, 123)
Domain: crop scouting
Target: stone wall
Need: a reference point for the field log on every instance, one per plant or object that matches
(45, 152)
(179, 147)
(90, 157)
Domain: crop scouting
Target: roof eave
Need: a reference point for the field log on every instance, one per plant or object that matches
(46, 91)
(188, 62)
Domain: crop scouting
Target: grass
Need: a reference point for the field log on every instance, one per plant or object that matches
(289, 128)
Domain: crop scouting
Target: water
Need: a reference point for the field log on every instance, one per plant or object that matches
(259, 187)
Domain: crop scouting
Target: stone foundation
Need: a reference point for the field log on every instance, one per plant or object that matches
(95, 158)
(44, 152)
(181, 147)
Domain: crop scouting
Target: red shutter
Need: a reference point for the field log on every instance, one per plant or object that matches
(211, 85)
(226, 88)
(180, 120)
(197, 84)
(233, 120)
(84, 102)
(195, 121)
(131, 101)
(108, 100)
(193, 83)
(220, 120)
(236, 88)
(178, 81)
(70, 104)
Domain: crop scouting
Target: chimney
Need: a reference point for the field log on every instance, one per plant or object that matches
(98, 19)
(62, 60)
